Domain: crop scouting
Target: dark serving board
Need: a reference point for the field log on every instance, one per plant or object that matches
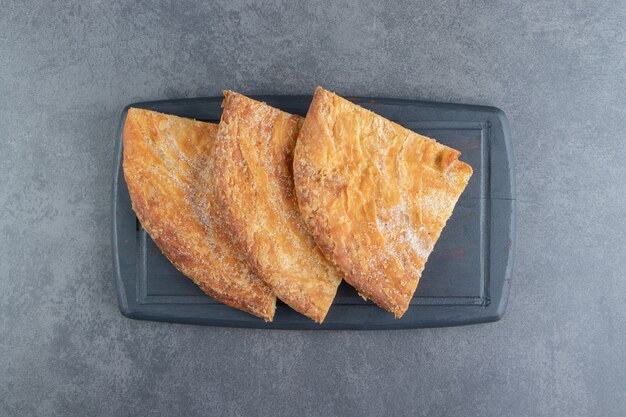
(466, 279)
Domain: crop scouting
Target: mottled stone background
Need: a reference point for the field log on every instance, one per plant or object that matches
(557, 68)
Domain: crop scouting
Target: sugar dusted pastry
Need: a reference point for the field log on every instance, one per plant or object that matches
(375, 196)
(253, 161)
(167, 166)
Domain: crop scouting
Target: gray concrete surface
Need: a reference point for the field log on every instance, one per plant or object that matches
(558, 69)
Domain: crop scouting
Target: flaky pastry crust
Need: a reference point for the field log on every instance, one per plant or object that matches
(168, 168)
(374, 195)
(253, 161)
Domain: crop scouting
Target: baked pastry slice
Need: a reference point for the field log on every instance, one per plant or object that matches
(253, 161)
(167, 164)
(375, 196)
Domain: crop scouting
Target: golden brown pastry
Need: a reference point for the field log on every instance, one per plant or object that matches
(253, 161)
(374, 195)
(167, 166)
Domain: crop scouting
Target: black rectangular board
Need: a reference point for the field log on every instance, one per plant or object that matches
(466, 279)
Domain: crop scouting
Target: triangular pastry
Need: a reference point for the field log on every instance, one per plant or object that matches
(253, 161)
(375, 196)
(167, 167)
